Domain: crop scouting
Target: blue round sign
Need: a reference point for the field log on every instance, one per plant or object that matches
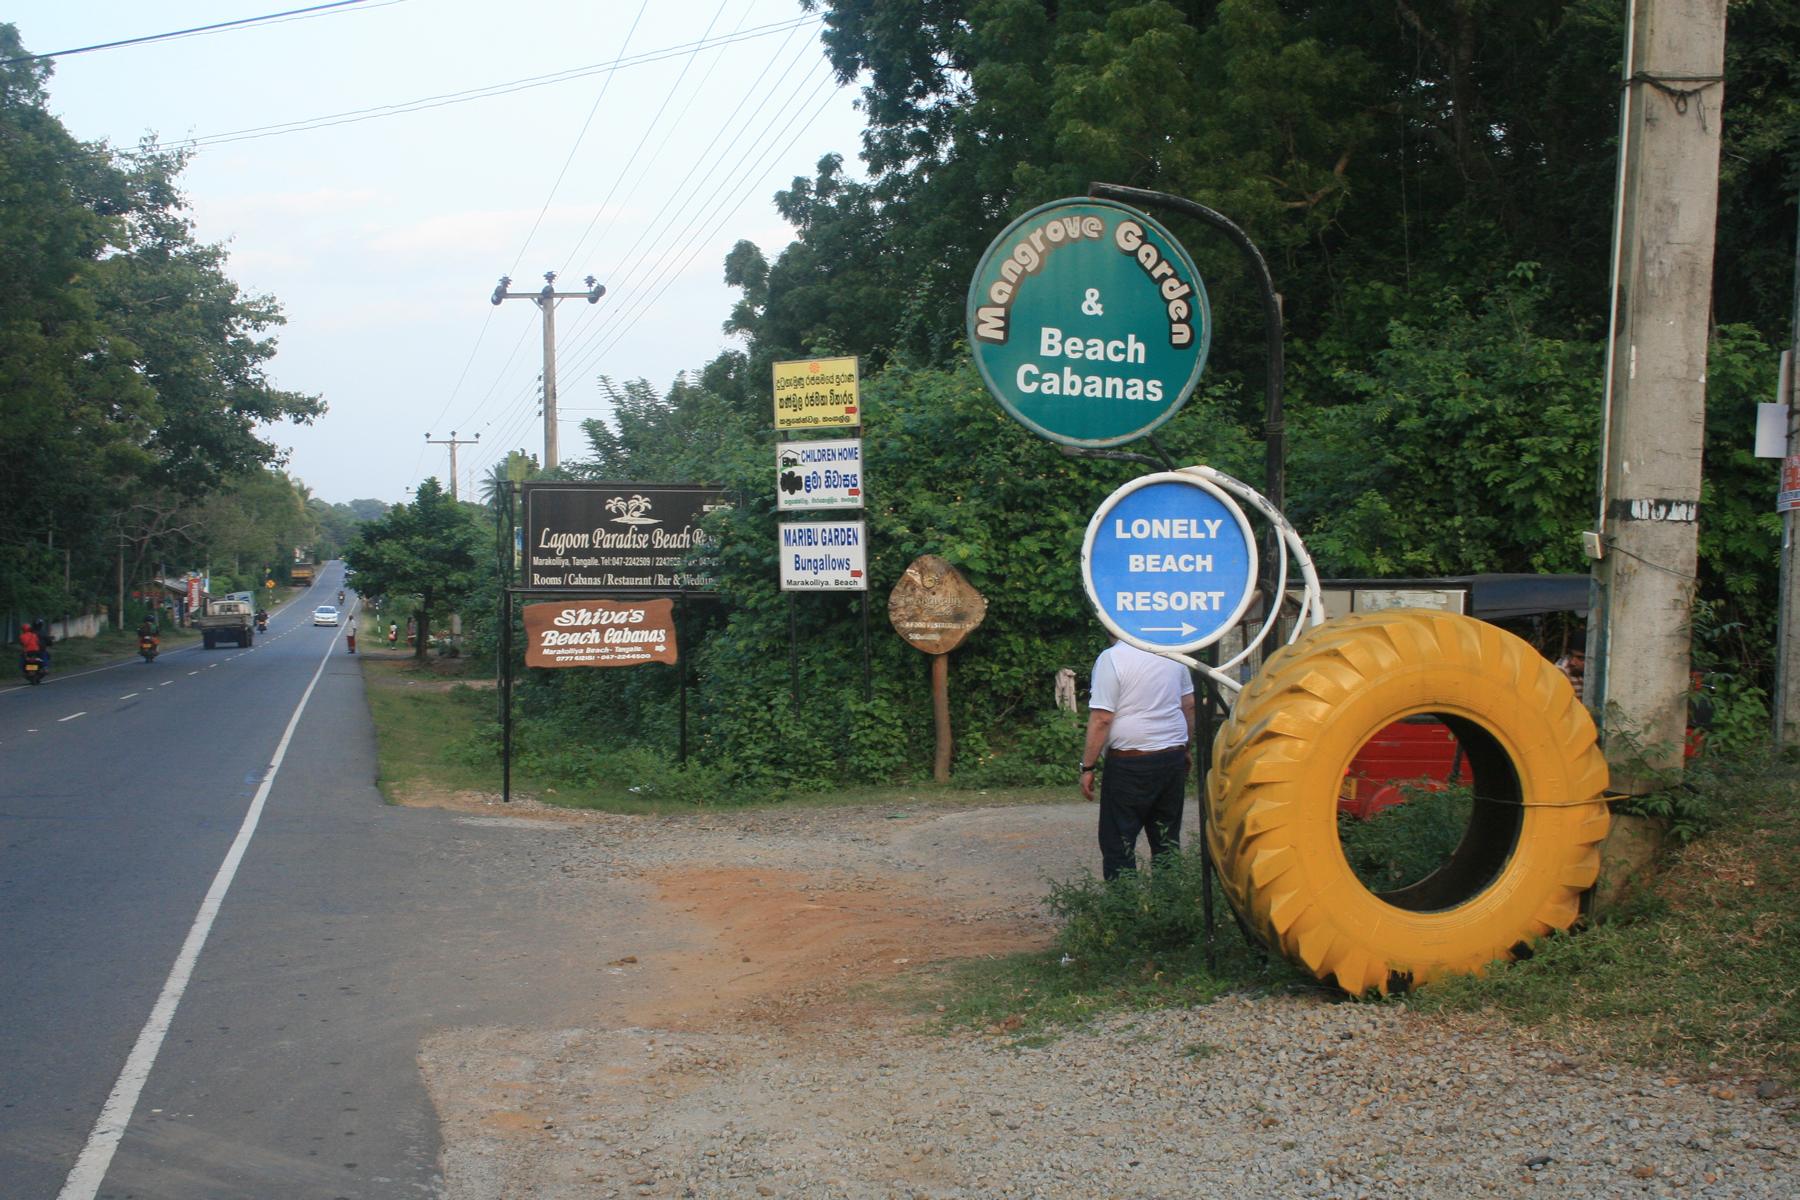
(1169, 562)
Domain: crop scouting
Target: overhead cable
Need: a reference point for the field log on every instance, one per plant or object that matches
(179, 33)
(354, 116)
(711, 212)
(585, 328)
(648, 130)
(604, 87)
(723, 217)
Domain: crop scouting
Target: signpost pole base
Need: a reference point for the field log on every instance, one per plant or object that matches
(1203, 767)
(506, 620)
(793, 655)
(681, 679)
(940, 714)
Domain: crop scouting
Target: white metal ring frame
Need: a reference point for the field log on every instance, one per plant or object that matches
(1288, 545)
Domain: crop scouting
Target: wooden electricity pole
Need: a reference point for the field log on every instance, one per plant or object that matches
(453, 442)
(546, 299)
(1654, 422)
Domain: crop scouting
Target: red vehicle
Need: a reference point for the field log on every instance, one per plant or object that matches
(1418, 752)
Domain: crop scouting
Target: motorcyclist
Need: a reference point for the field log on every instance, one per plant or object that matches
(29, 644)
(262, 621)
(148, 630)
(44, 641)
(340, 597)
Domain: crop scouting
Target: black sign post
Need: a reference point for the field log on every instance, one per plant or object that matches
(607, 541)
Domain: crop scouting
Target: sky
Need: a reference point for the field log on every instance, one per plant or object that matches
(641, 160)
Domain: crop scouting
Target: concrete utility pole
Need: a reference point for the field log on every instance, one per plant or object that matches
(453, 442)
(1647, 539)
(546, 301)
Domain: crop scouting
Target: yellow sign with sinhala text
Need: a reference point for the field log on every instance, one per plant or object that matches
(817, 393)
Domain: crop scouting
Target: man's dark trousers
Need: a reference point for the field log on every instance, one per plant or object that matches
(1140, 792)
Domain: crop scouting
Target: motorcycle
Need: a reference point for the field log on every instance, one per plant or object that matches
(147, 646)
(340, 599)
(262, 622)
(35, 668)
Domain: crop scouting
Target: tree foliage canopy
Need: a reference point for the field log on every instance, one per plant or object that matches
(132, 369)
(434, 550)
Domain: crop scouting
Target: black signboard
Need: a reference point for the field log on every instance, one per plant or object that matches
(633, 538)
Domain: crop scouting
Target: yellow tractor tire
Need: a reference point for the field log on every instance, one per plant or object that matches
(1532, 844)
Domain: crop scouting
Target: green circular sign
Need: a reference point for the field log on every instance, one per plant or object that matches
(1088, 322)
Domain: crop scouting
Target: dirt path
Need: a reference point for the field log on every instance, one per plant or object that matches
(730, 1045)
(722, 943)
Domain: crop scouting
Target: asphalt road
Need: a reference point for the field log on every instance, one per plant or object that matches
(332, 931)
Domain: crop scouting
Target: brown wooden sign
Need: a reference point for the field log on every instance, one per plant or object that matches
(934, 607)
(599, 633)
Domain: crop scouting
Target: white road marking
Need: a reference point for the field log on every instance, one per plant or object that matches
(167, 682)
(193, 672)
(71, 716)
(89, 1171)
(127, 695)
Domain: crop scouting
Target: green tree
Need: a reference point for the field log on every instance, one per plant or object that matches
(132, 372)
(432, 549)
(254, 524)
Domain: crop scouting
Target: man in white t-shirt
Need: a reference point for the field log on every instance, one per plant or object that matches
(1141, 713)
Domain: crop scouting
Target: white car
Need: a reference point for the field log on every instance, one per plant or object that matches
(325, 614)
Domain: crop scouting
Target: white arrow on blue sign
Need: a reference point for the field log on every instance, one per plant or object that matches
(1169, 562)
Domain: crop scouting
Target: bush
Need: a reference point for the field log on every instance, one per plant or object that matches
(1405, 843)
(1038, 752)
(1139, 918)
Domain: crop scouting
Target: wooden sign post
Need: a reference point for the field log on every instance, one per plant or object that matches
(935, 608)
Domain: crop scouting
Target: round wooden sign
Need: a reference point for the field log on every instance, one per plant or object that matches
(934, 607)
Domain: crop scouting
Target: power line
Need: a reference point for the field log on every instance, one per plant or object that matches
(179, 33)
(648, 130)
(623, 320)
(467, 95)
(586, 350)
(582, 334)
(579, 136)
(583, 319)
(488, 320)
(620, 333)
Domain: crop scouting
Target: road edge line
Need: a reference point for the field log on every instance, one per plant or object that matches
(89, 1172)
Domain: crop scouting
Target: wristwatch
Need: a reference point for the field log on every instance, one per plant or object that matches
(1086, 767)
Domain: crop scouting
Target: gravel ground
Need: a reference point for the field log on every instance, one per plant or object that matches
(726, 1055)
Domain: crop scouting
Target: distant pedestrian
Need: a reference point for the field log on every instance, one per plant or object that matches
(393, 635)
(1141, 713)
(350, 634)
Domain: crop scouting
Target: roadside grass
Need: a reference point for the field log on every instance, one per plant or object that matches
(109, 645)
(422, 712)
(1701, 968)
(436, 719)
